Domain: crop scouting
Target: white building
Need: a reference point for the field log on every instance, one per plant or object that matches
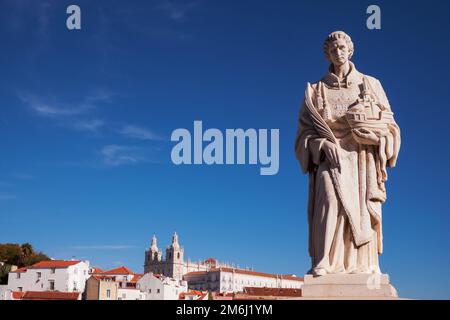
(235, 280)
(210, 274)
(130, 294)
(173, 264)
(4, 292)
(51, 275)
(126, 281)
(119, 274)
(159, 287)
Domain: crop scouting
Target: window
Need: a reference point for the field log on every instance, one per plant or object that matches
(75, 286)
(178, 255)
(39, 275)
(158, 291)
(52, 271)
(20, 289)
(108, 293)
(51, 285)
(149, 290)
(18, 276)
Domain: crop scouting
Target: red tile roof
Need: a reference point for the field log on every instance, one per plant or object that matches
(242, 271)
(136, 277)
(21, 270)
(120, 270)
(101, 277)
(17, 295)
(211, 261)
(96, 270)
(201, 295)
(54, 264)
(274, 292)
(50, 295)
(222, 295)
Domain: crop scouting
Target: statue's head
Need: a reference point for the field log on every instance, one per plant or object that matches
(338, 48)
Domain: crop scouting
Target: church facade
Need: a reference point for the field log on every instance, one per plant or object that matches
(210, 274)
(173, 264)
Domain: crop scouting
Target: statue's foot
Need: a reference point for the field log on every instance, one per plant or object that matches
(376, 270)
(359, 270)
(317, 272)
(339, 270)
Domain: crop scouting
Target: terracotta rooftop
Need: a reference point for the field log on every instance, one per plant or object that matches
(96, 270)
(48, 264)
(102, 277)
(136, 277)
(54, 264)
(275, 292)
(21, 270)
(49, 295)
(211, 261)
(17, 295)
(242, 271)
(120, 270)
(201, 295)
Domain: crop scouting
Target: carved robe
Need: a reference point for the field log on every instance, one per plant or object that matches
(344, 206)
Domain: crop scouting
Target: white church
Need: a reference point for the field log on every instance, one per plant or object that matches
(173, 264)
(210, 274)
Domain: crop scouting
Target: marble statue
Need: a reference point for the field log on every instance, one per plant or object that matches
(346, 138)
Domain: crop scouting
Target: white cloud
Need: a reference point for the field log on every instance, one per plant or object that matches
(57, 108)
(176, 10)
(89, 125)
(54, 109)
(135, 132)
(116, 155)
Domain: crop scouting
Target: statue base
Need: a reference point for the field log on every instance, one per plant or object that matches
(348, 286)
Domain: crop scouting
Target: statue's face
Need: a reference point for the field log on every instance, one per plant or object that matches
(339, 52)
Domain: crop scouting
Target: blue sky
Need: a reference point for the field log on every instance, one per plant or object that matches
(86, 118)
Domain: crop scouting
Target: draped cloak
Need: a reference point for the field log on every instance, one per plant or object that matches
(359, 183)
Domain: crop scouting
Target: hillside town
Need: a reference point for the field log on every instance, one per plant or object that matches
(167, 277)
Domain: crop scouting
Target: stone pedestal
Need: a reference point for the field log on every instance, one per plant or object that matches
(348, 286)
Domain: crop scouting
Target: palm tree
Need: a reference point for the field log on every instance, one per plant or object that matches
(27, 249)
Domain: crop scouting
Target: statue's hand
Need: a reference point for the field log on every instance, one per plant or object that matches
(331, 152)
(365, 136)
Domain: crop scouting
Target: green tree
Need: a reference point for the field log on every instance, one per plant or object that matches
(17, 255)
(10, 253)
(4, 270)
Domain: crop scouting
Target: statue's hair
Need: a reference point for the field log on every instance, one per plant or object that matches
(335, 36)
